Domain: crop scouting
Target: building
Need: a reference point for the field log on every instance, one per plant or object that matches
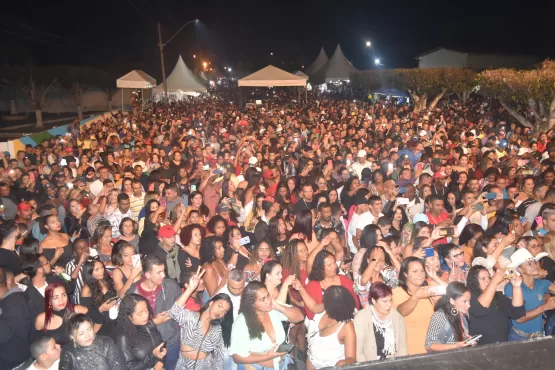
(446, 58)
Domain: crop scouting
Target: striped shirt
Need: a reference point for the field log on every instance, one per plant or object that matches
(70, 267)
(136, 204)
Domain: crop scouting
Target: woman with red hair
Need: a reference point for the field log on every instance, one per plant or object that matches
(380, 329)
(57, 310)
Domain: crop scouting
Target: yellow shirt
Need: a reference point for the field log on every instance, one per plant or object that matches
(417, 322)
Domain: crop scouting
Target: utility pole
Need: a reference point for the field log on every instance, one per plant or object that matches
(161, 44)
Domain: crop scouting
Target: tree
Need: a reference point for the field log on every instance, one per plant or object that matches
(77, 89)
(36, 87)
(426, 86)
(534, 88)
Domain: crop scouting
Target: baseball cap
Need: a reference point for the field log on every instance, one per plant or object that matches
(253, 160)
(24, 206)
(166, 231)
(268, 174)
(222, 208)
(439, 175)
(421, 217)
(361, 153)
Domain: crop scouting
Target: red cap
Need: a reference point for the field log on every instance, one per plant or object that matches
(268, 174)
(166, 231)
(439, 175)
(24, 206)
(69, 149)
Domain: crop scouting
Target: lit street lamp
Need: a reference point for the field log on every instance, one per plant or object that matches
(368, 44)
(377, 61)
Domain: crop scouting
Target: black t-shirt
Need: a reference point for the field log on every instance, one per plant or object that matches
(168, 173)
(493, 322)
(9, 260)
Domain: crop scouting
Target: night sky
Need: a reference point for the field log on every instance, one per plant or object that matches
(121, 35)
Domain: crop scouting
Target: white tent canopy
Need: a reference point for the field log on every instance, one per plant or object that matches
(301, 74)
(182, 81)
(136, 79)
(320, 61)
(272, 76)
(338, 68)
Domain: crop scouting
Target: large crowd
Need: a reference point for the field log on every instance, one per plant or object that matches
(199, 235)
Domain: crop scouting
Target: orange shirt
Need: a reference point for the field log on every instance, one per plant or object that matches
(417, 322)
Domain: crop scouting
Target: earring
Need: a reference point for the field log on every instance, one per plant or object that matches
(454, 311)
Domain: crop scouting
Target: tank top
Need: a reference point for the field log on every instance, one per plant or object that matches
(324, 351)
(60, 334)
(64, 258)
(123, 277)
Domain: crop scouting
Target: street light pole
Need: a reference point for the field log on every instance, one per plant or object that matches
(162, 45)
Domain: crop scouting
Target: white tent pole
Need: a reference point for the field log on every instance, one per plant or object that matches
(122, 100)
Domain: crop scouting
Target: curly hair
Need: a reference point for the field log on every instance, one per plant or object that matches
(339, 304)
(246, 307)
(317, 273)
(123, 322)
(211, 225)
(208, 248)
(95, 285)
(289, 259)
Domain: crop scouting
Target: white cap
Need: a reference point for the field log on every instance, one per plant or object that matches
(361, 153)
(423, 133)
(253, 161)
(523, 151)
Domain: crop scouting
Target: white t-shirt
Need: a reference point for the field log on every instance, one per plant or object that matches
(54, 366)
(358, 222)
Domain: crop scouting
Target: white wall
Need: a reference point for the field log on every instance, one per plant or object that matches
(443, 58)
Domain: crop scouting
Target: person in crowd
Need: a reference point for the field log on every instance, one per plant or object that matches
(491, 311)
(413, 298)
(189, 255)
(258, 256)
(379, 327)
(271, 276)
(324, 273)
(536, 296)
(122, 211)
(204, 334)
(161, 293)
(128, 268)
(98, 296)
(128, 233)
(57, 310)
(88, 350)
(74, 268)
(331, 335)
(102, 244)
(216, 269)
(15, 324)
(45, 353)
(258, 331)
(56, 246)
(167, 250)
(449, 324)
(138, 340)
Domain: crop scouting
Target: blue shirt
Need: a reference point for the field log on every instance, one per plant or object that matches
(533, 298)
(412, 156)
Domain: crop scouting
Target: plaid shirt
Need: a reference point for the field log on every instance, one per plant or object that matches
(336, 225)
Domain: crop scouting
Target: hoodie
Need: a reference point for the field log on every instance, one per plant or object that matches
(164, 302)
